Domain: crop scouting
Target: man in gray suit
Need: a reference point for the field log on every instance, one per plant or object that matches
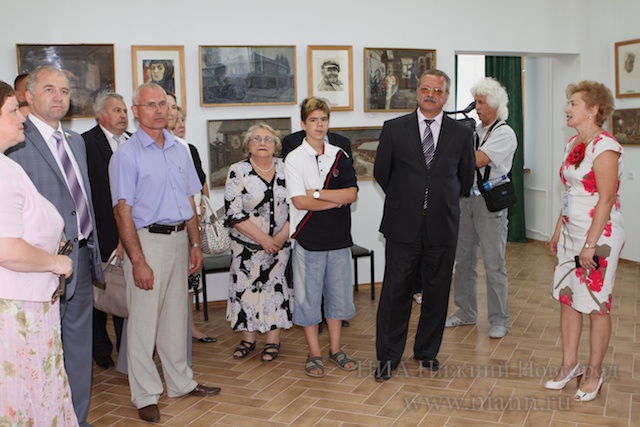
(56, 161)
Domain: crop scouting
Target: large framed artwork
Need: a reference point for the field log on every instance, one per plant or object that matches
(330, 70)
(628, 69)
(391, 77)
(163, 65)
(225, 143)
(89, 67)
(364, 146)
(625, 126)
(247, 75)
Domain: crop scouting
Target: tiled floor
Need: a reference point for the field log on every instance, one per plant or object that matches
(482, 382)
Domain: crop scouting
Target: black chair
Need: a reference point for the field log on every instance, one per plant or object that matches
(211, 264)
(359, 252)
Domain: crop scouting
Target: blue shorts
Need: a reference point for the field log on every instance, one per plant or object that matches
(321, 272)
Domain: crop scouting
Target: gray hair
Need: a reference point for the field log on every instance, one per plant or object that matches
(32, 78)
(495, 94)
(249, 134)
(437, 73)
(150, 85)
(101, 101)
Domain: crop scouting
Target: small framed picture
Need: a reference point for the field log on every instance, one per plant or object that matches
(89, 67)
(247, 75)
(163, 65)
(391, 77)
(225, 139)
(628, 69)
(330, 71)
(625, 126)
(364, 146)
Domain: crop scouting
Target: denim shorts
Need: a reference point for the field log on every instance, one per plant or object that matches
(321, 272)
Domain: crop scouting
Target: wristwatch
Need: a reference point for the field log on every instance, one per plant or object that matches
(588, 246)
(316, 194)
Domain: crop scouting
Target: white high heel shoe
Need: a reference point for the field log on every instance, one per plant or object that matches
(583, 396)
(576, 372)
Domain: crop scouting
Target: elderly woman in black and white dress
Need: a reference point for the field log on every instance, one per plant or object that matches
(258, 214)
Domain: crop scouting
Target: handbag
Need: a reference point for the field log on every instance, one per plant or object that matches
(213, 234)
(111, 296)
(499, 197)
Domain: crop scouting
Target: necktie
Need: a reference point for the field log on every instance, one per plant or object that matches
(82, 207)
(428, 150)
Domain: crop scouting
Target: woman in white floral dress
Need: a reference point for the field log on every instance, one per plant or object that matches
(589, 233)
(258, 214)
(34, 390)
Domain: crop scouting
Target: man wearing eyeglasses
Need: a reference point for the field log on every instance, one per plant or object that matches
(425, 162)
(152, 182)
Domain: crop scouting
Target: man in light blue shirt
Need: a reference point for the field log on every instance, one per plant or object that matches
(152, 182)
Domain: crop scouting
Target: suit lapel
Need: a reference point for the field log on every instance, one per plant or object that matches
(443, 139)
(413, 134)
(34, 136)
(103, 145)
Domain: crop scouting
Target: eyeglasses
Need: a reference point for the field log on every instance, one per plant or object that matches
(259, 140)
(150, 106)
(427, 89)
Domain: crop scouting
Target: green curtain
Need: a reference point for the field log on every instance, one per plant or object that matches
(508, 71)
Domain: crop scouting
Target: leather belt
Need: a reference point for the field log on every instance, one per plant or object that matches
(82, 243)
(165, 229)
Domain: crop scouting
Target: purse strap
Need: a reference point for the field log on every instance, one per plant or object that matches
(487, 168)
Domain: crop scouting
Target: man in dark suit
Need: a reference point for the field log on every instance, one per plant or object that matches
(101, 141)
(56, 161)
(292, 141)
(425, 162)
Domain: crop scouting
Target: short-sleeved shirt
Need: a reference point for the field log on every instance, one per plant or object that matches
(26, 214)
(157, 182)
(499, 147)
(307, 170)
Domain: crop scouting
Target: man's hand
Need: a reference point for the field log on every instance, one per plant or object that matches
(143, 276)
(195, 259)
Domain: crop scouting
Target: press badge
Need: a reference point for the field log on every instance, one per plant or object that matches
(565, 203)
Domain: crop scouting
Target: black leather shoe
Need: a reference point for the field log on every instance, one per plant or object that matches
(345, 324)
(206, 339)
(150, 414)
(105, 363)
(204, 391)
(431, 364)
(383, 372)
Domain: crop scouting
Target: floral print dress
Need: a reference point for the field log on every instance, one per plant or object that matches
(259, 295)
(592, 292)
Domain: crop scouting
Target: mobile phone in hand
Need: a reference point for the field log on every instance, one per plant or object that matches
(596, 259)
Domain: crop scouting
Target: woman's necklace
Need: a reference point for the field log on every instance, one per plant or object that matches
(259, 168)
(588, 139)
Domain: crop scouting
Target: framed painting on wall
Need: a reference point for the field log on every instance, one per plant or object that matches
(163, 65)
(628, 69)
(89, 67)
(391, 77)
(364, 146)
(625, 126)
(247, 75)
(330, 70)
(225, 139)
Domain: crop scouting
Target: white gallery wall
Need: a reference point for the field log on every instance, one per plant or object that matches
(563, 42)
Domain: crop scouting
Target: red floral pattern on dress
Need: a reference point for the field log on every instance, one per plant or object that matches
(589, 182)
(565, 299)
(607, 229)
(595, 279)
(608, 303)
(576, 155)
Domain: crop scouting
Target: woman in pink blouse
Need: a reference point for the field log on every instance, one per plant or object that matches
(34, 386)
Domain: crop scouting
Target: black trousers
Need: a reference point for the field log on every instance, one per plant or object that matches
(405, 264)
(102, 346)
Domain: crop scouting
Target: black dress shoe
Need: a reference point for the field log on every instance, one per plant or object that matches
(105, 363)
(383, 372)
(204, 391)
(150, 414)
(206, 339)
(431, 364)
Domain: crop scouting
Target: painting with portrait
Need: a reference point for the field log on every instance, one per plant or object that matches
(391, 77)
(331, 75)
(163, 65)
(627, 69)
(225, 143)
(89, 68)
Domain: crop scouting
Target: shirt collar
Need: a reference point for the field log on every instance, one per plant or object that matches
(146, 140)
(45, 130)
(437, 119)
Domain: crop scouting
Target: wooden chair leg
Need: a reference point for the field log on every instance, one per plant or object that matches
(373, 282)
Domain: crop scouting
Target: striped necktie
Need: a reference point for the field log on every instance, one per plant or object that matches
(428, 150)
(82, 208)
